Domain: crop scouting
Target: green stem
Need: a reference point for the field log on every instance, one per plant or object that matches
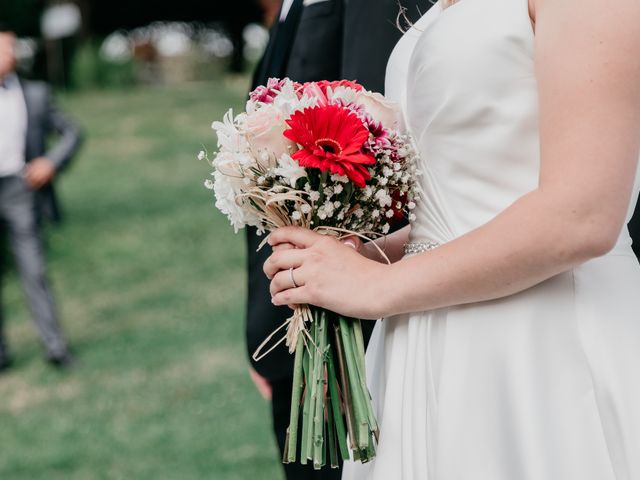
(356, 332)
(358, 398)
(331, 434)
(334, 396)
(318, 413)
(296, 394)
(307, 365)
(311, 385)
(344, 382)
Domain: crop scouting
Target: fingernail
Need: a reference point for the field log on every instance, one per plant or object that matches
(350, 243)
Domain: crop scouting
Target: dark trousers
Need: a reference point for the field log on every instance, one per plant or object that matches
(19, 219)
(280, 406)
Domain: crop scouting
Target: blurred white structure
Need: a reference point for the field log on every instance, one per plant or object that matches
(61, 21)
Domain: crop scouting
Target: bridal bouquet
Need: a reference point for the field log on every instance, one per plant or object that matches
(328, 156)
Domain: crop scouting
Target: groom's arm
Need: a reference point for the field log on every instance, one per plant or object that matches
(69, 136)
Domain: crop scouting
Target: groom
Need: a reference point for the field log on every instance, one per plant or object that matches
(312, 40)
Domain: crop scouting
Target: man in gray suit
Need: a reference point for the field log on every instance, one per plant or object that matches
(27, 167)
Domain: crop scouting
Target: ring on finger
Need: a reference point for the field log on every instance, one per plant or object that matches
(293, 280)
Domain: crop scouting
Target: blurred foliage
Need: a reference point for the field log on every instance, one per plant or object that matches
(91, 70)
(150, 284)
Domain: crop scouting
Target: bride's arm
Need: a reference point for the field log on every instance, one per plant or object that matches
(588, 73)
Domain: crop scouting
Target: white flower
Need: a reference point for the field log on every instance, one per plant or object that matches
(226, 202)
(339, 178)
(314, 196)
(384, 200)
(380, 108)
(389, 213)
(375, 214)
(306, 208)
(328, 208)
(264, 133)
(412, 217)
(202, 155)
(290, 169)
(345, 94)
(229, 137)
(338, 189)
(296, 215)
(337, 204)
(411, 205)
(208, 184)
(385, 228)
(287, 100)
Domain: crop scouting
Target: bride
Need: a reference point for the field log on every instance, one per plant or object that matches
(510, 345)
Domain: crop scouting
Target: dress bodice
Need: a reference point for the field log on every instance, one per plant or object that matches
(469, 73)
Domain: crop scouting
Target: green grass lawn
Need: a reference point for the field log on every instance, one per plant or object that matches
(150, 285)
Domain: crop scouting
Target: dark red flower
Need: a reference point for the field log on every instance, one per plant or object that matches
(332, 138)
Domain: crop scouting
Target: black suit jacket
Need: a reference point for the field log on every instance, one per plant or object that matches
(43, 120)
(634, 230)
(327, 40)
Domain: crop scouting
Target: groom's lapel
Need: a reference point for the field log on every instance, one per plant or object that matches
(276, 56)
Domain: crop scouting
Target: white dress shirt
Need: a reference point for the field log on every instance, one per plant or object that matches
(286, 6)
(13, 127)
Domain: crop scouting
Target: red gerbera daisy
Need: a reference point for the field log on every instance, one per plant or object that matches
(331, 138)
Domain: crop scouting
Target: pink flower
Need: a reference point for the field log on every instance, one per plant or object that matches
(266, 94)
(314, 90)
(265, 128)
(380, 109)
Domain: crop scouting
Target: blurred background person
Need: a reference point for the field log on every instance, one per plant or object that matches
(27, 167)
(312, 40)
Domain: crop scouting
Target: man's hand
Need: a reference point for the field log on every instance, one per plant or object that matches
(261, 383)
(39, 172)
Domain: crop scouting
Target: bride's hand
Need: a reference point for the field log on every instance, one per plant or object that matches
(328, 273)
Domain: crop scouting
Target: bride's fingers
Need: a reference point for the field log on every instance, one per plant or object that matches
(283, 281)
(292, 296)
(299, 237)
(283, 246)
(283, 260)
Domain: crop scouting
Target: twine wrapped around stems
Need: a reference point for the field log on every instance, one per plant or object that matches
(270, 207)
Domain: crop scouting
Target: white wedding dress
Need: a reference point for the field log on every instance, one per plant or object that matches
(541, 385)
